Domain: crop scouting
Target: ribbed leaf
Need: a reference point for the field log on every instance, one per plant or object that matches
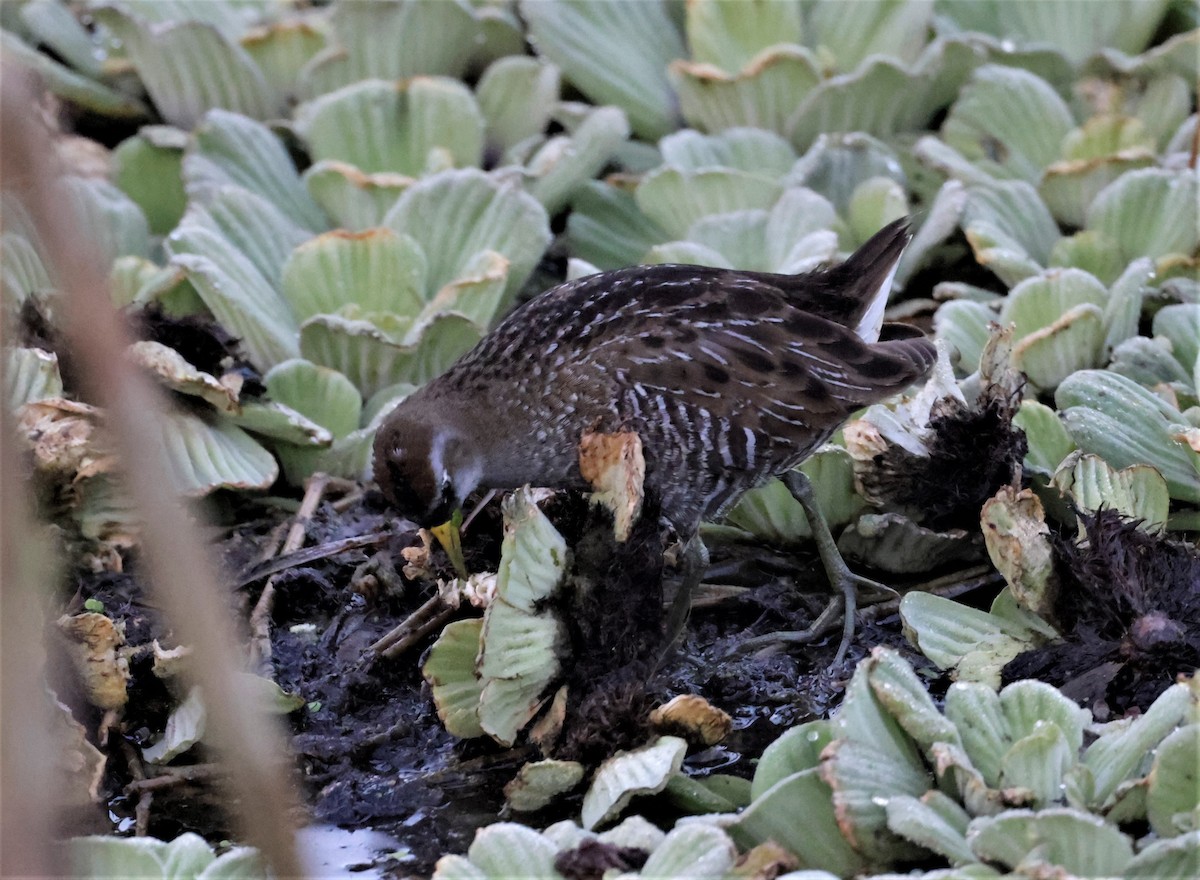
(856, 31)
(1126, 424)
(608, 229)
(117, 225)
(563, 164)
(354, 200)
(614, 53)
(377, 349)
(252, 224)
(1076, 842)
(620, 778)
(236, 293)
(393, 40)
(190, 67)
(204, 457)
(456, 214)
(516, 96)
(229, 148)
(1149, 213)
(729, 35)
(979, 125)
(450, 671)
(282, 49)
(675, 199)
(376, 270)
(763, 95)
(30, 374)
(406, 127)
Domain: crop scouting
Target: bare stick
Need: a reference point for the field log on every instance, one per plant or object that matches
(260, 618)
(178, 566)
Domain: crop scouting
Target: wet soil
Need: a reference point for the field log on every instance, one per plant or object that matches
(371, 752)
(370, 749)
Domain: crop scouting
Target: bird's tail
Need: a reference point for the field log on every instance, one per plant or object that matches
(854, 293)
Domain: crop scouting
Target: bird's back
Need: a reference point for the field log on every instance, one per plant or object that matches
(728, 377)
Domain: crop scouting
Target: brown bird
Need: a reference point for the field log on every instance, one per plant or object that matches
(728, 377)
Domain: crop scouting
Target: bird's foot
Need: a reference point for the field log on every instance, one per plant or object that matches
(844, 582)
(694, 557)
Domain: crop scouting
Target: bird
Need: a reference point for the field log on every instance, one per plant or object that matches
(727, 377)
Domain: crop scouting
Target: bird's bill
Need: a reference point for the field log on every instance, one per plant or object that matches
(448, 536)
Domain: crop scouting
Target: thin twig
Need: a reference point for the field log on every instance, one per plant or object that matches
(141, 812)
(260, 618)
(433, 614)
(173, 776)
(258, 571)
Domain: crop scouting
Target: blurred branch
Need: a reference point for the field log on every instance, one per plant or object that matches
(177, 565)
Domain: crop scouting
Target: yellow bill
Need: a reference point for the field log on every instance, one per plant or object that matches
(448, 536)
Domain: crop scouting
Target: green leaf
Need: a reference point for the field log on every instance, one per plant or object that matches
(674, 199)
(189, 67)
(509, 850)
(745, 149)
(914, 820)
(538, 783)
(69, 85)
(456, 214)
(774, 815)
(282, 49)
(692, 852)
(354, 200)
(229, 148)
(30, 374)
(1009, 229)
(1049, 442)
(1118, 753)
(963, 324)
(318, 393)
(979, 125)
(795, 750)
(563, 164)
(148, 169)
(252, 224)
(762, 95)
(1138, 492)
(1168, 859)
(378, 349)
(614, 54)
(729, 35)
(516, 96)
(1149, 213)
(607, 228)
(393, 40)
(235, 291)
(450, 671)
(852, 33)
(1173, 797)
(1126, 425)
(628, 774)
(376, 270)
(204, 457)
(1071, 840)
(407, 127)
(771, 513)
(117, 224)
(949, 634)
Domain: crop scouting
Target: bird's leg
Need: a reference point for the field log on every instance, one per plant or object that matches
(695, 562)
(841, 578)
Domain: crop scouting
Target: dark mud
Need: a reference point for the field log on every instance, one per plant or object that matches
(370, 749)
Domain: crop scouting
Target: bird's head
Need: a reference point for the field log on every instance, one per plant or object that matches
(425, 469)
